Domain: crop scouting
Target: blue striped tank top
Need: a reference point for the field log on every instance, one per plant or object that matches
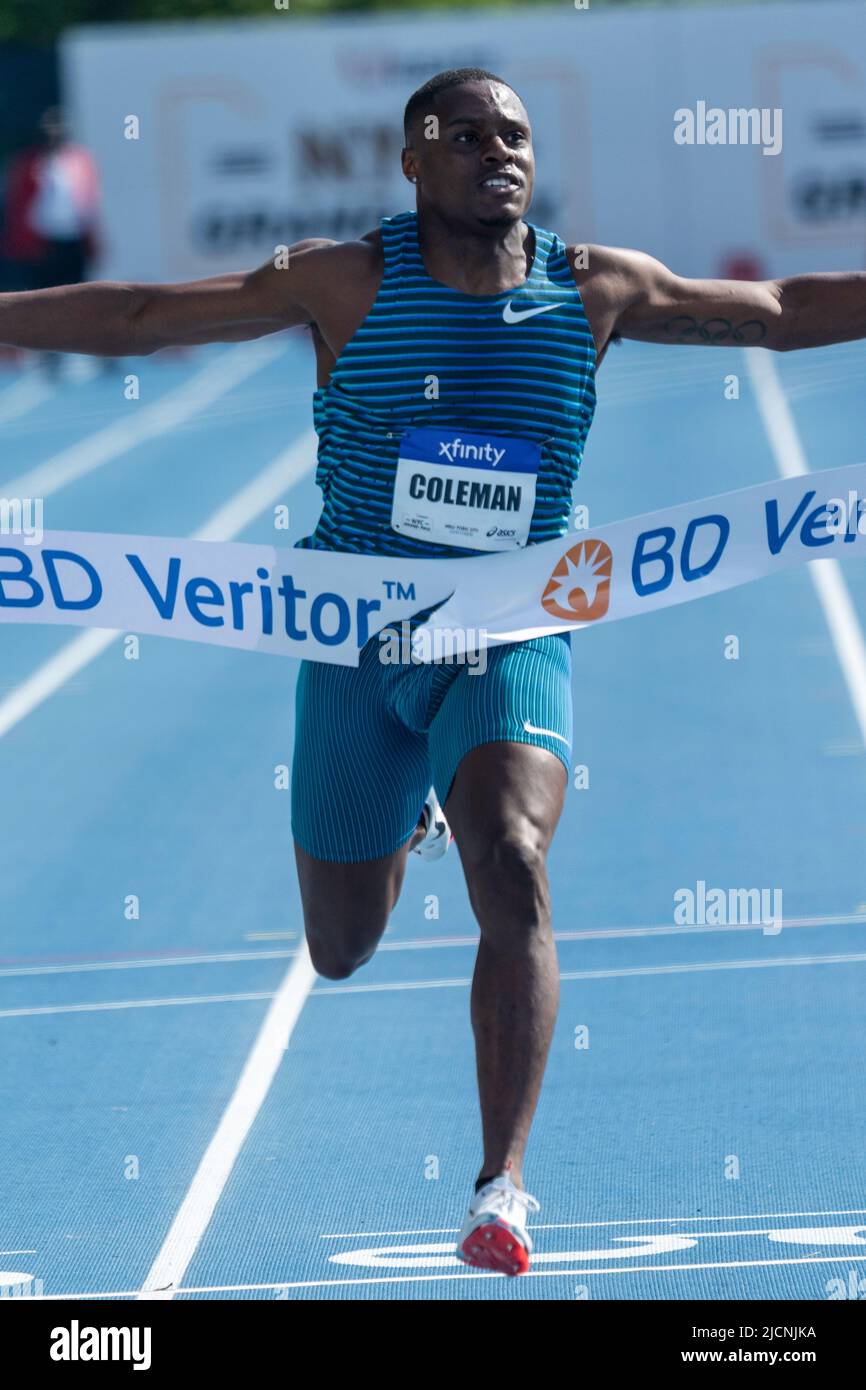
(427, 355)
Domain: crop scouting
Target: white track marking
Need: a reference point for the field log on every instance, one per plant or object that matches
(213, 1172)
(261, 492)
(462, 1274)
(30, 391)
(622, 973)
(216, 1165)
(398, 986)
(587, 1225)
(146, 963)
(213, 380)
(629, 933)
(111, 1006)
(430, 943)
(52, 674)
(826, 575)
(224, 525)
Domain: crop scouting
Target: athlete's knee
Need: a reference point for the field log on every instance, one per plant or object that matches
(334, 967)
(507, 880)
(338, 949)
(331, 961)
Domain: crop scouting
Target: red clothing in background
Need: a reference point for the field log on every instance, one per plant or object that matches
(52, 195)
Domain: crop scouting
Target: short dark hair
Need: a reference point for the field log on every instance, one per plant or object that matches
(454, 77)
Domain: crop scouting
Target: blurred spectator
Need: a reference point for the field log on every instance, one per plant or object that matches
(52, 201)
(52, 209)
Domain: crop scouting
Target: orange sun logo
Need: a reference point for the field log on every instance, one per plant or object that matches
(579, 588)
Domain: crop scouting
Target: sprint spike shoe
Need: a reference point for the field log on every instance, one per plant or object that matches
(494, 1234)
(438, 836)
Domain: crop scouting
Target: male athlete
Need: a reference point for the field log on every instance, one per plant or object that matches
(459, 321)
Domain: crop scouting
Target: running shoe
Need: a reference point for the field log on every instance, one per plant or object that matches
(438, 836)
(494, 1234)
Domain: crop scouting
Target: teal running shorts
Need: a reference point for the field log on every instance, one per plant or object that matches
(371, 740)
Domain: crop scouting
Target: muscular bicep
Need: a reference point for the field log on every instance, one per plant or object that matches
(658, 306)
(232, 307)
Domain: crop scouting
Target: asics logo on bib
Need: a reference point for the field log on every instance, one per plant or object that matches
(512, 315)
(580, 584)
(458, 450)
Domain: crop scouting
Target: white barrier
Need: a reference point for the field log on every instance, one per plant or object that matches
(254, 134)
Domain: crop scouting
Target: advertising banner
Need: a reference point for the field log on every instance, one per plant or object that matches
(325, 606)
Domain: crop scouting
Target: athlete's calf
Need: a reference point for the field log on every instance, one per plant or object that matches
(503, 810)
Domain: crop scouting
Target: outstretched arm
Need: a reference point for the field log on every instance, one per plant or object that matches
(110, 319)
(640, 298)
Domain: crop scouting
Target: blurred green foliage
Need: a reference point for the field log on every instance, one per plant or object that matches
(40, 21)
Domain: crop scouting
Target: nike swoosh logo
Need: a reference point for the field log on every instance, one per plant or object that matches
(531, 729)
(511, 315)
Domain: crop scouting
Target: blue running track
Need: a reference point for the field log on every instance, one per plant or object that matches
(700, 1130)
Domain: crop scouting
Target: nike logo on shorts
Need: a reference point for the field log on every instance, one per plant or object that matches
(511, 315)
(531, 729)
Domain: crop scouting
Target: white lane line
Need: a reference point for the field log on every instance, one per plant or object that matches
(396, 987)
(260, 492)
(429, 943)
(462, 1274)
(47, 1010)
(632, 933)
(530, 1274)
(622, 973)
(273, 1038)
(145, 963)
(586, 1225)
(30, 391)
(52, 674)
(225, 523)
(826, 575)
(177, 406)
(213, 1172)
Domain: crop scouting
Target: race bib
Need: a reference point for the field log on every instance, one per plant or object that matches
(471, 490)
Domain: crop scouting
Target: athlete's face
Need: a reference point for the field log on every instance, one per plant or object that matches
(479, 168)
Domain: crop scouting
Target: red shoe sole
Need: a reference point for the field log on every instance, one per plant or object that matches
(494, 1246)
